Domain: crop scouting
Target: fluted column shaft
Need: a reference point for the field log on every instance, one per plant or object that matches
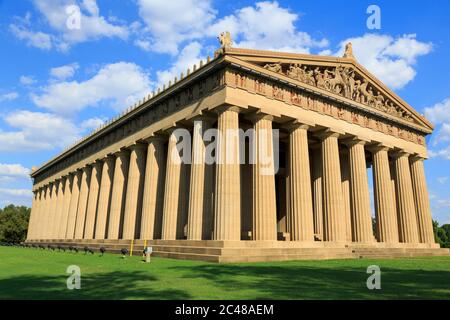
(33, 213)
(59, 207)
(118, 194)
(92, 200)
(104, 198)
(300, 216)
(334, 226)
(359, 190)
(153, 199)
(52, 209)
(387, 227)
(317, 192)
(425, 223)
(73, 205)
(200, 209)
(407, 220)
(82, 202)
(172, 190)
(135, 186)
(227, 211)
(44, 213)
(345, 177)
(68, 181)
(264, 201)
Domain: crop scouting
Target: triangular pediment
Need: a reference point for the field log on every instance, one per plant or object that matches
(343, 77)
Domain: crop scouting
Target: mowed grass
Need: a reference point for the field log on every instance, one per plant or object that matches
(27, 273)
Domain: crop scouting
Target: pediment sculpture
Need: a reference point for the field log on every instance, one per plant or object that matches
(344, 81)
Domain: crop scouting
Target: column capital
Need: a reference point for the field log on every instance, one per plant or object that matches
(121, 152)
(154, 138)
(257, 116)
(329, 132)
(296, 124)
(223, 108)
(379, 146)
(202, 116)
(400, 153)
(355, 140)
(137, 146)
(417, 157)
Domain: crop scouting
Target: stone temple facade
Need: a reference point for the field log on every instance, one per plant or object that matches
(128, 184)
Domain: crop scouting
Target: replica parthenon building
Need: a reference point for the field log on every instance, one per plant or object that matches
(126, 182)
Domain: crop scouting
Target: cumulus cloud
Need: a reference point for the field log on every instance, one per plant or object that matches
(37, 131)
(35, 39)
(266, 25)
(16, 192)
(391, 59)
(189, 56)
(169, 23)
(27, 80)
(13, 170)
(92, 25)
(120, 83)
(64, 72)
(439, 113)
(9, 96)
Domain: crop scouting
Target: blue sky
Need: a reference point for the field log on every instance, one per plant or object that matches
(60, 80)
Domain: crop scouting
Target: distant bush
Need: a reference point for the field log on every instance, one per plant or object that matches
(14, 223)
(442, 234)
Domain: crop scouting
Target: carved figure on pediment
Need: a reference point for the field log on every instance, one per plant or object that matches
(319, 78)
(274, 67)
(365, 94)
(296, 72)
(337, 83)
(309, 76)
(379, 101)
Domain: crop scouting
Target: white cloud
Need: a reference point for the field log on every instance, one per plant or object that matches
(189, 56)
(9, 96)
(93, 26)
(37, 131)
(169, 23)
(120, 84)
(16, 192)
(267, 26)
(443, 153)
(13, 170)
(439, 113)
(91, 124)
(27, 80)
(64, 72)
(37, 39)
(390, 59)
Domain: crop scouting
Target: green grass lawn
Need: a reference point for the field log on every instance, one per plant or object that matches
(27, 273)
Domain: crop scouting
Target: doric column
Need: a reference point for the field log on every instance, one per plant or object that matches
(316, 177)
(82, 202)
(425, 223)
(359, 191)
(33, 217)
(334, 225)
(153, 199)
(386, 214)
(227, 211)
(407, 219)
(345, 178)
(59, 207)
(68, 180)
(93, 200)
(172, 189)
(73, 208)
(50, 208)
(200, 196)
(135, 186)
(118, 193)
(263, 176)
(300, 215)
(43, 212)
(104, 198)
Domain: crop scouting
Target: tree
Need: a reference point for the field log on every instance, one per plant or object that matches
(14, 223)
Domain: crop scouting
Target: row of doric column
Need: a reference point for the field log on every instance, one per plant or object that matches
(140, 191)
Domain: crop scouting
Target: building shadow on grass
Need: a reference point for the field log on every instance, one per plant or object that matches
(114, 285)
(301, 282)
